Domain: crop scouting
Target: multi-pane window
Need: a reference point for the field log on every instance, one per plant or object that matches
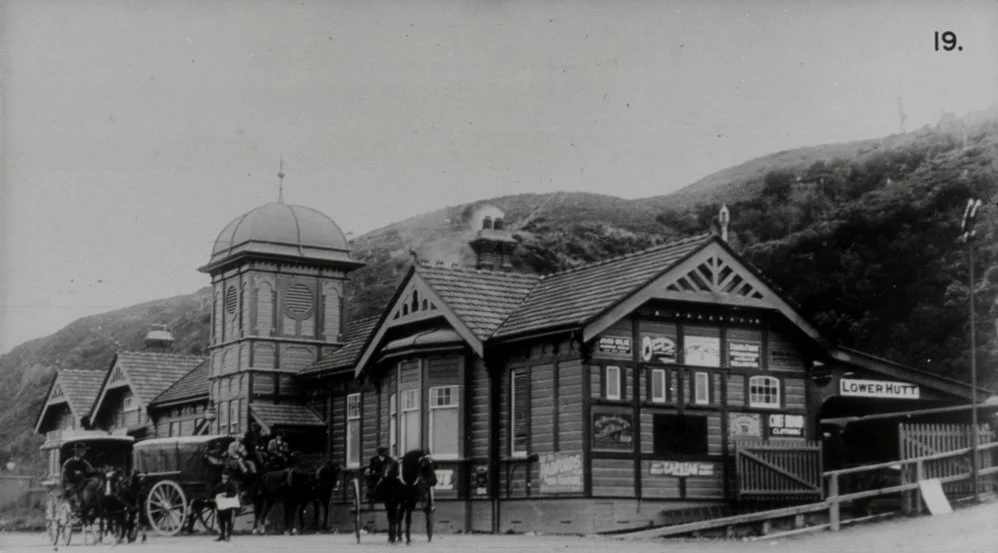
(223, 418)
(411, 421)
(444, 418)
(613, 383)
(519, 414)
(764, 391)
(701, 391)
(353, 430)
(658, 386)
(393, 425)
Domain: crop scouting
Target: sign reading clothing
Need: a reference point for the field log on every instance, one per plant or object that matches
(786, 425)
(877, 388)
(561, 473)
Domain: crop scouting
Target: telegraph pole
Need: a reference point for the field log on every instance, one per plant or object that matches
(967, 226)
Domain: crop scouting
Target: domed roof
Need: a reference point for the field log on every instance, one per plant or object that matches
(281, 230)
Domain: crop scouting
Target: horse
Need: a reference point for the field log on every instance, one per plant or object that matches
(122, 502)
(91, 501)
(315, 489)
(401, 487)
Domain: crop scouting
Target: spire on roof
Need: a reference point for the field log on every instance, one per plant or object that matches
(724, 217)
(280, 182)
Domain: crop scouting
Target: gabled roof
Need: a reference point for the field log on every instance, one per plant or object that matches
(79, 389)
(192, 386)
(355, 334)
(576, 295)
(482, 299)
(148, 373)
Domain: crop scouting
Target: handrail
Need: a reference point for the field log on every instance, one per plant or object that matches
(914, 460)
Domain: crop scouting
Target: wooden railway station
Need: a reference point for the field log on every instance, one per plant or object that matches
(601, 398)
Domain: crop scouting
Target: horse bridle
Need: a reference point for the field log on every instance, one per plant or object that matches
(426, 458)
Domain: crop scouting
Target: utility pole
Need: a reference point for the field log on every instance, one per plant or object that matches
(967, 227)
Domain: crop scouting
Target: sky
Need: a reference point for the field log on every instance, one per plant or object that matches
(132, 132)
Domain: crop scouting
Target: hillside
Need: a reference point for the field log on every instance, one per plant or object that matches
(862, 235)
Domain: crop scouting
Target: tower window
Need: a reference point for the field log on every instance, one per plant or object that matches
(299, 300)
(231, 300)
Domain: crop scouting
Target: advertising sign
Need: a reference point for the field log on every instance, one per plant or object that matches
(745, 425)
(786, 426)
(681, 468)
(614, 344)
(658, 349)
(561, 473)
(877, 388)
(703, 351)
(744, 354)
(445, 480)
(613, 431)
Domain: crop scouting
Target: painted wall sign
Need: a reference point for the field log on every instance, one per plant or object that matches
(658, 349)
(614, 344)
(445, 480)
(878, 388)
(744, 354)
(613, 431)
(786, 425)
(681, 468)
(561, 473)
(744, 425)
(703, 351)
(481, 480)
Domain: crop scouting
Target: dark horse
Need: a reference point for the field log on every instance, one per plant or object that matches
(401, 488)
(294, 489)
(122, 502)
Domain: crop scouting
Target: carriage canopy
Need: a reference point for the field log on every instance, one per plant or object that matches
(103, 452)
(186, 455)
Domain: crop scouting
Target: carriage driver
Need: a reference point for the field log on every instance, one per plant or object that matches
(279, 449)
(75, 471)
(376, 469)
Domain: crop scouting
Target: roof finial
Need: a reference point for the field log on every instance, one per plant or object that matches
(280, 182)
(724, 217)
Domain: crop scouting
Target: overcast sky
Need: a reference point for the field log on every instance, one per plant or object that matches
(133, 131)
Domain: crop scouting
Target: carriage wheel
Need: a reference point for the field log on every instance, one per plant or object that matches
(51, 520)
(429, 506)
(206, 516)
(166, 507)
(355, 509)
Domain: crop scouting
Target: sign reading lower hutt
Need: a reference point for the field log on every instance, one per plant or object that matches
(878, 388)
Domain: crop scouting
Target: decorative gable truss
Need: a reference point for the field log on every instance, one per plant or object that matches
(414, 303)
(56, 395)
(718, 275)
(117, 378)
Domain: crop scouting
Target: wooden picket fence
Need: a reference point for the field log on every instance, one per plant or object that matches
(920, 440)
(778, 470)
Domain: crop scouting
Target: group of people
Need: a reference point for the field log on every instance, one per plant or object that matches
(254, 453)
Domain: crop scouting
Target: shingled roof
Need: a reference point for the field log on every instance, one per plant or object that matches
(80, 388)
(576, 295)
(482, 299)
(193, 385)
(355, 334)
(150, 373)
(284, 414)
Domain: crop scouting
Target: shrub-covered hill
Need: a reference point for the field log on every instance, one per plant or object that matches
(863, 236)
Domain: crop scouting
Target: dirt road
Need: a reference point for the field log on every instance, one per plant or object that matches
(969, 530)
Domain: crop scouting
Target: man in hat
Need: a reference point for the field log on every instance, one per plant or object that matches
(279, 449)
(376, 470)
(75, 471)
(225, 489)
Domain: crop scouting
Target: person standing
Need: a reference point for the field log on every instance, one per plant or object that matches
(226, 489)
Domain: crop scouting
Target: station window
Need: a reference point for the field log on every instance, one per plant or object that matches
(680, 435)
(353, 430)
(701, 388)
(764, 391)
(444, 417)
(392, 428)
(612, 385)
(519, 416)
(658, 394)
(411, 421)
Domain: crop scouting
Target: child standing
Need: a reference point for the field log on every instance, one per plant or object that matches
(225, 490)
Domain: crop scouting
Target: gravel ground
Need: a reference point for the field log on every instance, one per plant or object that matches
(968, 530)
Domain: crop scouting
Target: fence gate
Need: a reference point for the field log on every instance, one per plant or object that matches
(777, 470)
(916, 440)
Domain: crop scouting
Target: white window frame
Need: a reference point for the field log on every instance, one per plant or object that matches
(657, 397)
(353, 414)
(454, 402)
(764, 382)
(409, 402)
(393, 420)
(701, 383)
(512, 417)
(612, 369)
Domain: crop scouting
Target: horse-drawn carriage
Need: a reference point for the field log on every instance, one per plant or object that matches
(178, 475)
(84, 504)
(406, 485)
